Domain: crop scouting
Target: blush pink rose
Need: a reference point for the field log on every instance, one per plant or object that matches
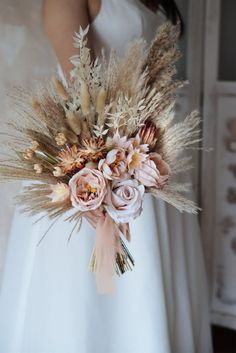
(114, 166)
(88, 189)
(125, 200)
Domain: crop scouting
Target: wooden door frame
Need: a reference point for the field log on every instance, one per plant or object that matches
(212, 28)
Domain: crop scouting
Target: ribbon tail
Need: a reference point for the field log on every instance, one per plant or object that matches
(125, 230)
(105, 254)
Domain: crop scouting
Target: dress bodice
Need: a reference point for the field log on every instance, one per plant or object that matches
(119, 22)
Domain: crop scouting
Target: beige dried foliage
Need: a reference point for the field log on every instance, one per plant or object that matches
(129, 72)
(74, 121)
(36, 200)
(162, 55)
(60, 89)
(176, 199)
(85, 98)
(101, 100)
(85, 132)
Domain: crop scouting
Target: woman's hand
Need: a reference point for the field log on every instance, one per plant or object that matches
(62, 18)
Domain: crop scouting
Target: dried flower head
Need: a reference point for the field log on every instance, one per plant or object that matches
(70, 159)
(34, 145)
(28, 154)
(94, 149)
(38, 168)
(94, 144)
(60, 139)
(58, 172)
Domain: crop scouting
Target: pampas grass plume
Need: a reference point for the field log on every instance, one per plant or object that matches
(85, 98)
(60, 89)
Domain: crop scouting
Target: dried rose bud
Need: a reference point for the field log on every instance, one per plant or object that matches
(60, 139)
(147, 133)
(58, 172)
(38, 168)
(28, 154)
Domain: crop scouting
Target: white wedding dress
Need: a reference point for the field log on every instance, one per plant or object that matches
(49, 302)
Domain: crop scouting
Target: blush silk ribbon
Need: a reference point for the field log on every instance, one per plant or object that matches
(107, 245)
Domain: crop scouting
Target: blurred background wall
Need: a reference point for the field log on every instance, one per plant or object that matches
(24, 55)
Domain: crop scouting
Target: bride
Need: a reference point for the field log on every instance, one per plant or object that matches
(49, 302)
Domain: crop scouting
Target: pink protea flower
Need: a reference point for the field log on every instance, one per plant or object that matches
(125, 200)
(88, 189)
(137, 153)
(137, 143)
(153, 172)
(134, 158)
(148, 132)
(114, 166)
(118, 141)
(147, 173)
(162, 166)
(60, 192)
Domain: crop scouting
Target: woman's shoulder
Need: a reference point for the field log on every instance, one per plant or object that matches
(94, 7)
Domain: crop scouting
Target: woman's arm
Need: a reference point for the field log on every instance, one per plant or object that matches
(62, 18)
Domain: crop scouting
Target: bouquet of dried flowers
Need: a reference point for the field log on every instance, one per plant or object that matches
(99, 143)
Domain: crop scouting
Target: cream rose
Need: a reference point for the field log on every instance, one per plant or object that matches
(125, 200)
(88, 189)
(114, 166)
